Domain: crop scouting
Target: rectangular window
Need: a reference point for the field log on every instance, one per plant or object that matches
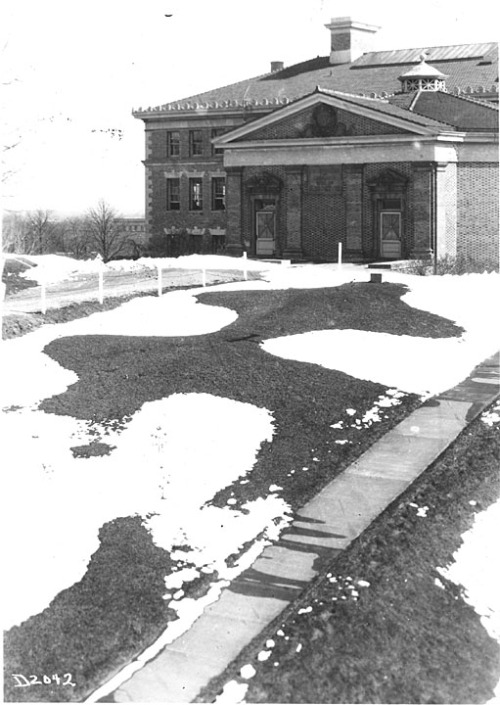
(173, 144)
(218, 193)
(215, 133)
(195, 194)
(195, 143)
(173, 194)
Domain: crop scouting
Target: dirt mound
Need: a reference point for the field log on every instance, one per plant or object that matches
(11, 276)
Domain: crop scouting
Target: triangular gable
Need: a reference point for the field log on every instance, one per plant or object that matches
(323, 120)
(325, 115)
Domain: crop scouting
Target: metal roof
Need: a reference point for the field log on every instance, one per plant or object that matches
(410, 56)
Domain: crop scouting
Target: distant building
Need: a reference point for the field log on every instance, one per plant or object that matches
(394, 154)
(134, 234)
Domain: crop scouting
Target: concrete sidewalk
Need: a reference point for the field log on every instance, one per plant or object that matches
(323, 527)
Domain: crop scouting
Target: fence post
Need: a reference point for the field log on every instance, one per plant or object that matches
(204, 277)
(245, 272)
(101, 285)
(159, 280)
(44, 298)
(339, 265)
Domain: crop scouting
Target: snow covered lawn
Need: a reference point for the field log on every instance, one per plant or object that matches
(173, 410)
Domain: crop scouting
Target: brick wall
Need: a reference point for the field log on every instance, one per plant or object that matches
(161, 218)
(157, 151)
(477, 211)
(159, 166)
(323, 214)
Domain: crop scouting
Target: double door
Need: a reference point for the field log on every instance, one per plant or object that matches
(390, 234)
(265, 227)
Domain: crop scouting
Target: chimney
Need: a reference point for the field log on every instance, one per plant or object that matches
(277, 66)
(350, 39)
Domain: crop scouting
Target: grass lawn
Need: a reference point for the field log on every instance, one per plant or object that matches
(116, 610)
(398, 637)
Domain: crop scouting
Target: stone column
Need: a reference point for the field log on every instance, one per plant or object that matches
(234, 243)
(293, 246)
(422, 210)
(353, 199)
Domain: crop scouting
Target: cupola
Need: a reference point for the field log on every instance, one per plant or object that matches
(423, 78)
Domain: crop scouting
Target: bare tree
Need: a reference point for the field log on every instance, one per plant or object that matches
(76, 239)
(41, 232)
(13, 232)
(105, 232)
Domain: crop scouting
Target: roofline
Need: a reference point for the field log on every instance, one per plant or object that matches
(193, 113)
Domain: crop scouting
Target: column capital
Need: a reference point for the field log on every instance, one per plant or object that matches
(422, 166)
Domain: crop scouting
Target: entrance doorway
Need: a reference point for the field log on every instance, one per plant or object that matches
(390, 234)
(265, 227)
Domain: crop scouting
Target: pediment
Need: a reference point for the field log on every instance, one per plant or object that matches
(322, 117)
(323, 120)
(388, 180)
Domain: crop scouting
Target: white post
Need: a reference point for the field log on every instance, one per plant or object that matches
(204, 276)
(245, 272)
(159, 281)
(44, 298)
(3, 287)
(101, 286)
(339, 265)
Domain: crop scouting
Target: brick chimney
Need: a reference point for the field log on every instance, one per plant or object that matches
(277, 66)
(350, 39)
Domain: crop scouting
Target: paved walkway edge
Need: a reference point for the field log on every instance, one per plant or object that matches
(323, 527)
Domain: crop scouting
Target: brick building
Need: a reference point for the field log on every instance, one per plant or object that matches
(393, 154)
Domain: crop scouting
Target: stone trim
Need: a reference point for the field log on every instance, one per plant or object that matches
(306, 155)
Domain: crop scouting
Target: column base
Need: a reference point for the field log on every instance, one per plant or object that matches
(293, 253)
(421, 254)
(234, 249)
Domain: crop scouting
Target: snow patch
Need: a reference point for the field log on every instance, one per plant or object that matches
(475, 567)
(414, 365)
(155, 469)
(232, 693)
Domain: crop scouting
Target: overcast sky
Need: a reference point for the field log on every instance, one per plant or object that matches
(72, 72)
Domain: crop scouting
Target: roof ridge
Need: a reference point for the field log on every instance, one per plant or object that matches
(468, 99)
(353, 95)
(426, 46)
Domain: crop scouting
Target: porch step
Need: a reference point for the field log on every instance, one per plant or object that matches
(392, 264)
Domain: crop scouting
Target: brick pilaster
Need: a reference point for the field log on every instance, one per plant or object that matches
(446, 209)
(234, 243)
(293, 245)
(353, 199)
(422, 210)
